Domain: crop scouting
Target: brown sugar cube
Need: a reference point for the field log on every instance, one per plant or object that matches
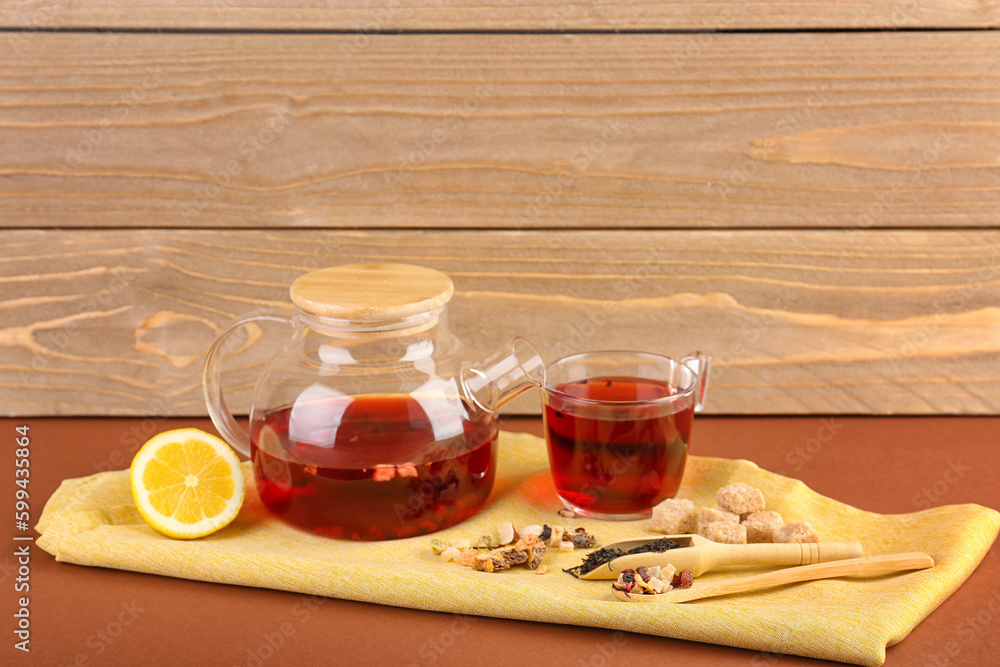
(797, 532)
(709, 515)
(724, 532)
(674, 516)
(740, 498)
(761, 526)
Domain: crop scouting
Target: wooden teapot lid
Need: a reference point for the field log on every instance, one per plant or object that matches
(371, 292)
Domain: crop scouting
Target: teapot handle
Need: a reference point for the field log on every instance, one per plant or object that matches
(223, 419)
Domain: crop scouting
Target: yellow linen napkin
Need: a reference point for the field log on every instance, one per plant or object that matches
(93, 521)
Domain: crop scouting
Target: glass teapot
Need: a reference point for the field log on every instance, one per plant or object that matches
(370, 424)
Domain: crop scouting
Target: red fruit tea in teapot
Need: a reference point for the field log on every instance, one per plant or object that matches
(372, 467)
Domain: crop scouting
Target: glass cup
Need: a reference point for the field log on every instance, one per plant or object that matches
(617, 425)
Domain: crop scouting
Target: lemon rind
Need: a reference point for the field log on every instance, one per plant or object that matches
(168, 525)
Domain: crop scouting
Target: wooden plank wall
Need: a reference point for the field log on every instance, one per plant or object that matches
(806, 191)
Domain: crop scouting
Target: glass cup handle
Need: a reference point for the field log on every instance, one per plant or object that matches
(702, 366)
(223, 419)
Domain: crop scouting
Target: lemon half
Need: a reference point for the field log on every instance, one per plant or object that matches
(187, 483)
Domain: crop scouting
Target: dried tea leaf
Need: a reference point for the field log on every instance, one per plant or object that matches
(604, 555)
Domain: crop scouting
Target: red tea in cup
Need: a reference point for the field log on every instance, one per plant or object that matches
(618, 425)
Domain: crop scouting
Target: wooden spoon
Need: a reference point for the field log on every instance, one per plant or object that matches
(700, 555)
(889, 563)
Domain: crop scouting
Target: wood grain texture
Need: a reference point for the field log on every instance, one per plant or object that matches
(868, 130)
(367, 16)
(116, 322)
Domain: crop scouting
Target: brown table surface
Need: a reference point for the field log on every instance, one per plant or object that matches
(103, 617)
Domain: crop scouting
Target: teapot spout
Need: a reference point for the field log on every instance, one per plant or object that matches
(503, 375)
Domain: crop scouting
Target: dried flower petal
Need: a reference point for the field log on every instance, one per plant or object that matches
(507, 532)
(535, 530)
